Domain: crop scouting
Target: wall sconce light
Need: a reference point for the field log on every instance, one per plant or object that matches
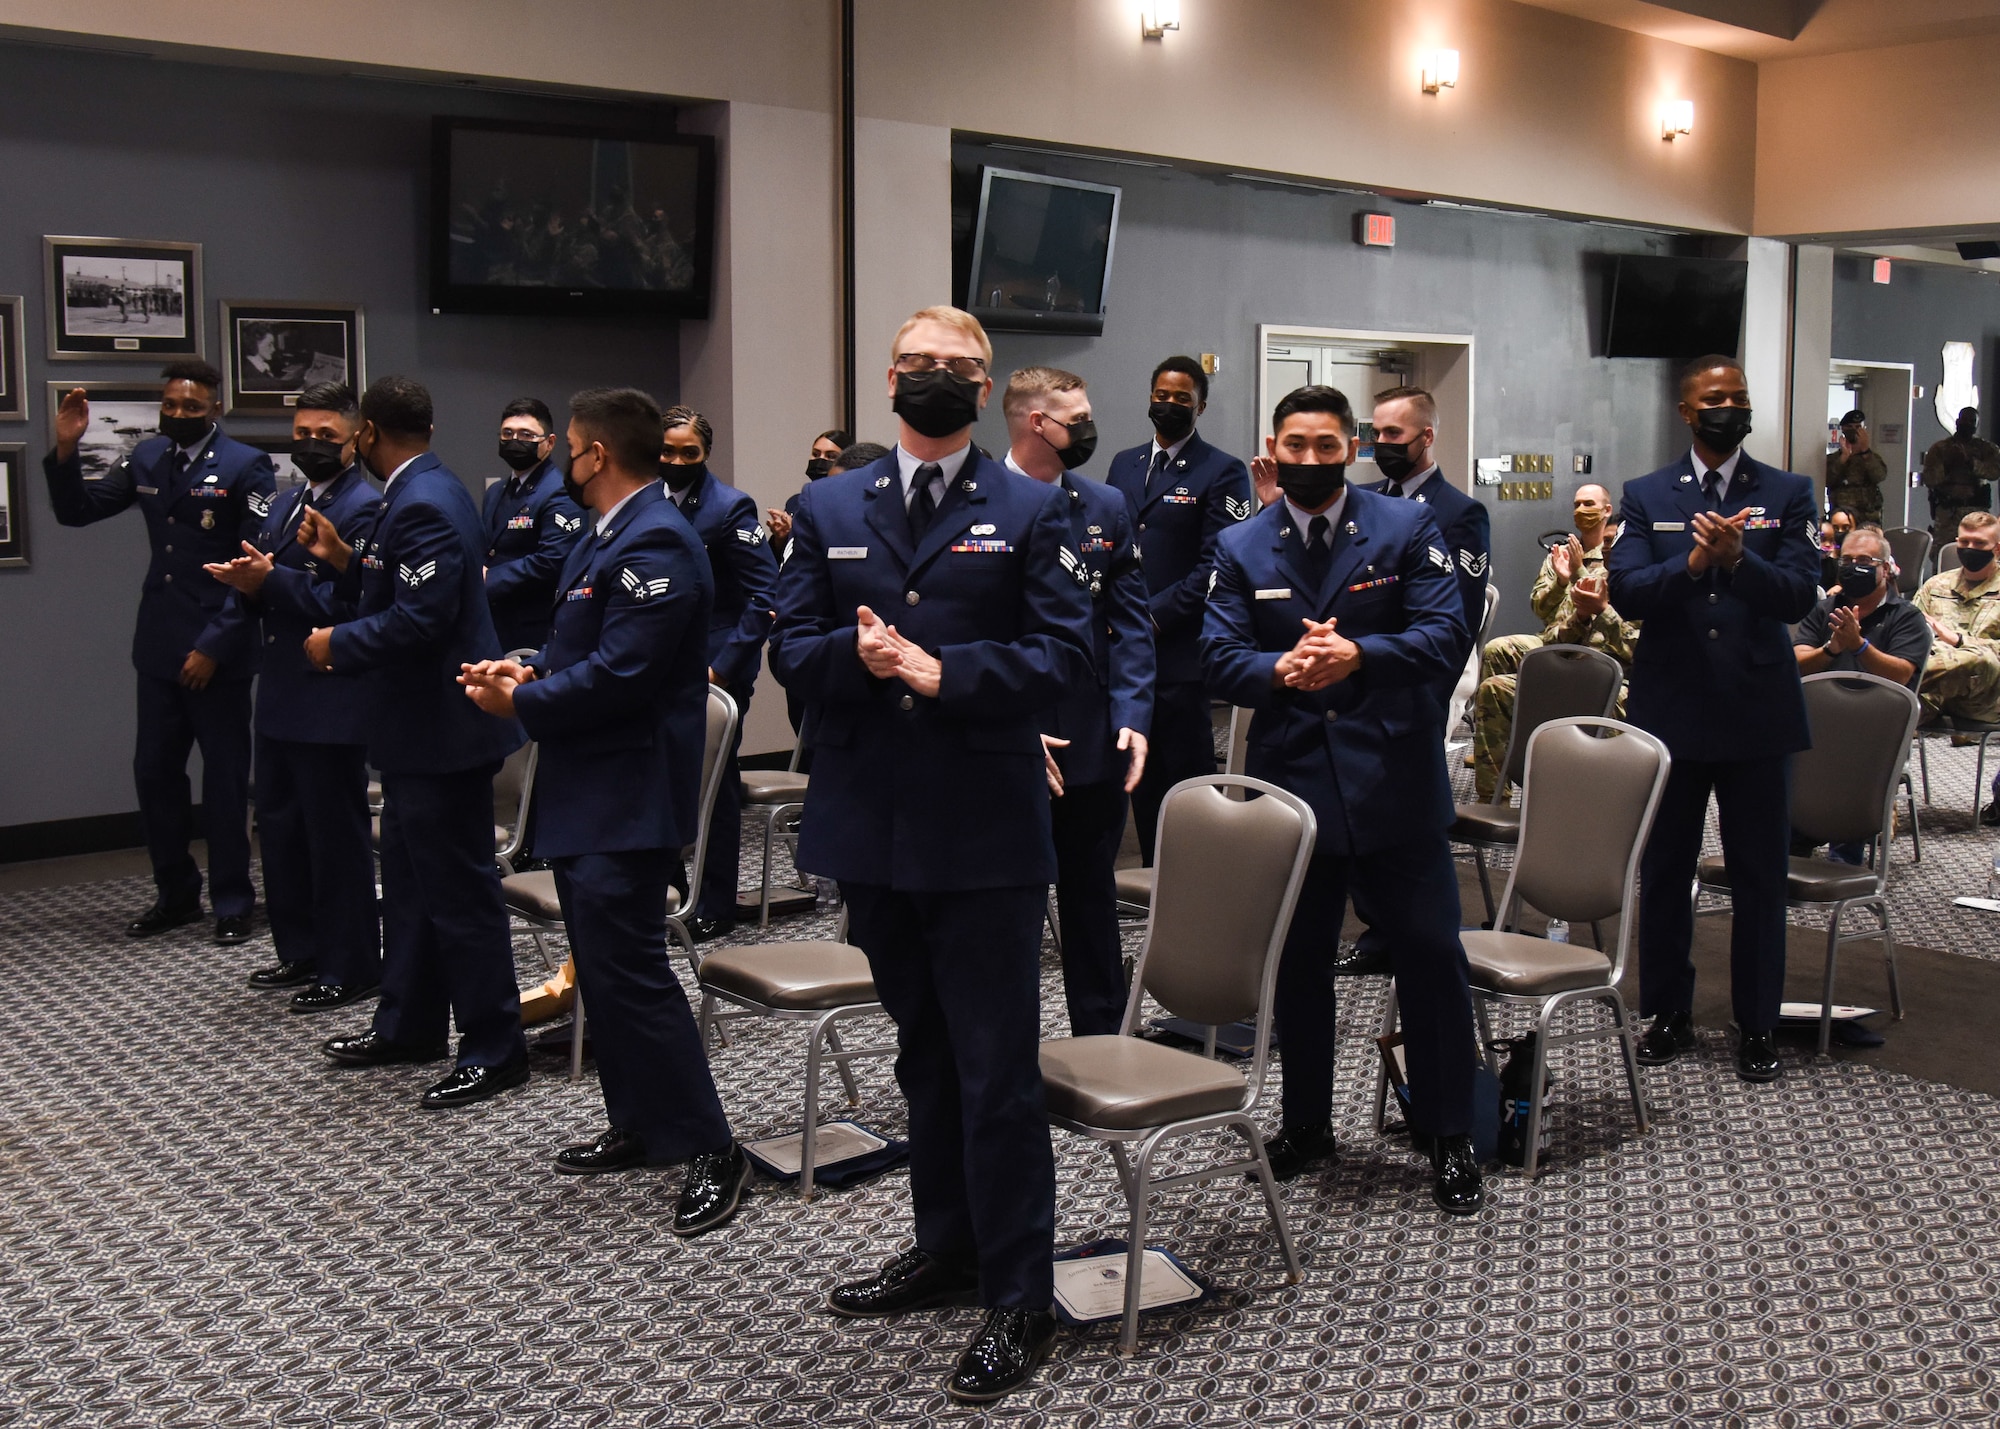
(1676, 117)
(1159, 17)
(1440, 70)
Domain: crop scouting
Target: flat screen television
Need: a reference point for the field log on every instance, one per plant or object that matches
(1041, 253)
(545, 218)
(1674, 307)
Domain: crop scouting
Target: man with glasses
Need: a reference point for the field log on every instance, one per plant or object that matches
(927, 616)
(530, 526)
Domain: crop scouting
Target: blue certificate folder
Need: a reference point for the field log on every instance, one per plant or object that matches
(1090, 1283)
(845, 1153)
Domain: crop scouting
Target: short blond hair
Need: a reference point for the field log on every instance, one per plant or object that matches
(1977, 521)
(1030, 383)
(957, 319)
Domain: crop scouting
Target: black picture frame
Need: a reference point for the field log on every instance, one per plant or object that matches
(272, 351)
(122, 415)
(13, 503)
(152, 286)
(13, 361)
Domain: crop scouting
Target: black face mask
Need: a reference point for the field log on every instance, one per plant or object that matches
(1974, 561)
(572, 488)
(184, 431)
(1082, 442)
(1311, 484)
(1722, 429)
(317, 460)
(518, 454)
(679, 476)
(1171, 420)
(935, 403)
(1393, 459)
(817, 467)
(1857, 580)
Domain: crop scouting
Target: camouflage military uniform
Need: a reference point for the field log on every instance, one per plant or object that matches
(1856, 483)
(1493, 706)
(1963, 680)
(1960, 472)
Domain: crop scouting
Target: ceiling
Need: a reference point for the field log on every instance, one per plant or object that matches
(1783, 29)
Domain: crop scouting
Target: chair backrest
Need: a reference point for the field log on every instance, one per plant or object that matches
(1556, 682)
(1845, 785)
(1486, 620)
(1947, 557)
(721, 733)
(1226, 876)
(1239, 742)
(1911, 547)
(513, 795)
(1587, 807)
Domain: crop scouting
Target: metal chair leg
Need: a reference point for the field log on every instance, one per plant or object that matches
(1924, 766)
(1826, 989)
(1629, 1044)
(809, 1133)
(1889, 957)
(1135, 1250)
(1250, 1133)
(1381, 1071)
(1979, 777)
(1486, 1052)
(841, 1064)
(576, 1034)
(1539, 1075)
(1055, 927)
(764, 888)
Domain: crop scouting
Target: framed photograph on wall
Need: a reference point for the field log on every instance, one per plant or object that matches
(13, 363)
(13, 503)
(122, 297)
(122, 414)
(273, 351)
(279, 450)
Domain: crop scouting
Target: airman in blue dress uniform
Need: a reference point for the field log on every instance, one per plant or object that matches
(530, 526)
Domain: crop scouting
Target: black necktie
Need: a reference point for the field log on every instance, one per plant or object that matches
(1159, 465)
(1319, 540)
(181, 464)
(924, 505)
(1711, 486)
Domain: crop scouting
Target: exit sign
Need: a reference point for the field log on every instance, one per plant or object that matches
(1377, 230)
(1881, 270)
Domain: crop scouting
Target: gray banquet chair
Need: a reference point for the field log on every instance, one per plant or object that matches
(1947, 557)
(779, 796)
(1844, 791)
(1135, 885)
(1230, 871)
(1911, 547)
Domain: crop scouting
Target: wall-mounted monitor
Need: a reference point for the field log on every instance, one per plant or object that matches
(1674, 307)
(1041, 253)
(548, 218)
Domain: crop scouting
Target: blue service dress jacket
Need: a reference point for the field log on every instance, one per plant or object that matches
(1714, 675)
(620, 705)
(1201, 493)
(528, 536)
(416, 612)
(196, 519)
(1366, 752)
(915, 793)
(746, 577)
(1468, 540)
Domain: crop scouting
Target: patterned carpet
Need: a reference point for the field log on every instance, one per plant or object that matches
(202, 1224)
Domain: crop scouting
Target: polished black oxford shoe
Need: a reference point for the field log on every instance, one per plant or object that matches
(1003, 1356)
(324, 997)
(707, 930)
(710, 1190)
(914, 1280)
(369, 1050)
(163, 918)
(614, 1151)
(1757, 1058)
(1364, 960)
(1293, 1152)
(1671, 1034)
(283, 975)
(1459, 1190)
(233, 929)
(467, 1085)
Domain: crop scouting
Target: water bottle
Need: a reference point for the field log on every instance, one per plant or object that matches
(1559, 929)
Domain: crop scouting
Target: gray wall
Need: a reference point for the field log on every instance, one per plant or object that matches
(1910, 319)
(298, 188)
(1202, 261)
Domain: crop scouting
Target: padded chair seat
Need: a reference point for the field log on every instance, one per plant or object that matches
(809, 976)
(773, 786)
(1128, 1084)
(1808, 880)
(1487, 824)
(1135, 885)
(1522, 966)
(533, 895)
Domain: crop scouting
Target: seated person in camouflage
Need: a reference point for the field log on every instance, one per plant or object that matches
(1854, 474)
(1962, 678)
(1591, 514)
(1582, 615)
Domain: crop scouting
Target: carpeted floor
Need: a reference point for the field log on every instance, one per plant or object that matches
(203, 1224)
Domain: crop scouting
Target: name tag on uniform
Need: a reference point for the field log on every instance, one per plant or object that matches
(147, 490)
(1282, 593)
(582, 592)
(847, 553)
(520, 523)
(1670, 526)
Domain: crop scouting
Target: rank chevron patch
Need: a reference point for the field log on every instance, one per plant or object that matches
(644, 589)
(750, 535)
(566, 523)
(418, 576)
(1238, 510)
(261, 505)
(1438, 558)
(1472, 565)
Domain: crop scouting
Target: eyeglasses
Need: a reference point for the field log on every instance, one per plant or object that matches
(970, 369)
(523, 435)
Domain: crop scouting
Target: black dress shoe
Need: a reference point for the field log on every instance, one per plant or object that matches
(1364, 960)
(1757, 1058)
(710, 1190)
(467, 1085)
(914, 1280)
(324, 997)
(1458, 1190)
(1003, 1356)
(1295, 1150)
(283, 975)
(1671, 1034)
(704, 930)
(614, 1151)
(163, 918)
(1989, 816)
(369, 1050)
(233, 929)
